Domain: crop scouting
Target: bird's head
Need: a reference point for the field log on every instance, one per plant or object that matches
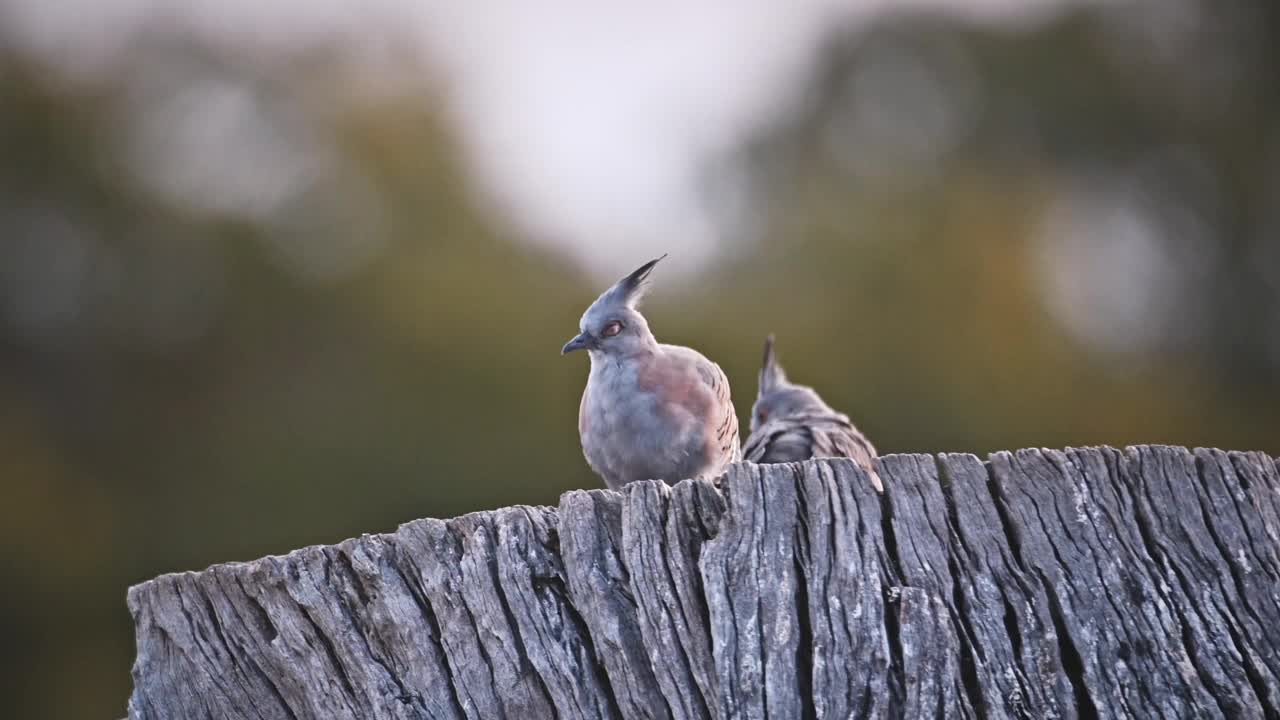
(613, 324)
(778, 397)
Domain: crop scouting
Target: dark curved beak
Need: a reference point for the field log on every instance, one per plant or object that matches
(582, 341)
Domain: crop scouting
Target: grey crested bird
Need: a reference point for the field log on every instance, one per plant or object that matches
(791, 422)
(650, 411)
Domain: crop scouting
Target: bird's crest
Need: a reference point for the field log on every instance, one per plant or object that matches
(631, 289)
(771, 375)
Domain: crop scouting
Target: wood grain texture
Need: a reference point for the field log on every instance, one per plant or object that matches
(1085, 583)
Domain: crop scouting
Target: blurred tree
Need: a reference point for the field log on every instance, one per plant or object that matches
(227, 284)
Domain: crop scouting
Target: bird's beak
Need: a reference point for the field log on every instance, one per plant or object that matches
(582, 341)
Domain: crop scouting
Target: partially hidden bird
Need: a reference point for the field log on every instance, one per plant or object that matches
(791, 422)
(650, 411)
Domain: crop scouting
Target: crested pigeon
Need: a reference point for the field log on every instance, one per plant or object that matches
(650, 411)
(791, 422)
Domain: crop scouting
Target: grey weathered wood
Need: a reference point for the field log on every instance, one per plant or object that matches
(1040, 584)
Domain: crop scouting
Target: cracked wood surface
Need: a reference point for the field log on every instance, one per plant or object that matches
(1086, 583)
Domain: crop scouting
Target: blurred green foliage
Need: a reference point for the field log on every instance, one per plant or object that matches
(193, 398)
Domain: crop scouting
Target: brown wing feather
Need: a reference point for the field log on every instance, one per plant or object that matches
(779, 441)
(726, 432)
(808, 436)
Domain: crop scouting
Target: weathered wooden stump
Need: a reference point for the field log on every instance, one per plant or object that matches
(1040, 584)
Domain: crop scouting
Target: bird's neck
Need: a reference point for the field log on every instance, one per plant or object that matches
(605, 361)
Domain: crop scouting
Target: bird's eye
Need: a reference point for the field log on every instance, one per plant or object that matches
(763, 415)
(612, 329)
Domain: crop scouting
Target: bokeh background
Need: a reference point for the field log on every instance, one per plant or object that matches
(278, 273)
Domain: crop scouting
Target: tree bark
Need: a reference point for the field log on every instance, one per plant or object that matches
(1090, 583)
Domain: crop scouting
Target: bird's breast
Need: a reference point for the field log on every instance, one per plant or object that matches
(612, 401)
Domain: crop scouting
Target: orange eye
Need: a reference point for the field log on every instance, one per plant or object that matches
(612, 329)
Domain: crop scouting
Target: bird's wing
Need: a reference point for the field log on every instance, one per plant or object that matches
(812, 436)
(836, 436)
(779, 441)
(695, 425)
(725, 418)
